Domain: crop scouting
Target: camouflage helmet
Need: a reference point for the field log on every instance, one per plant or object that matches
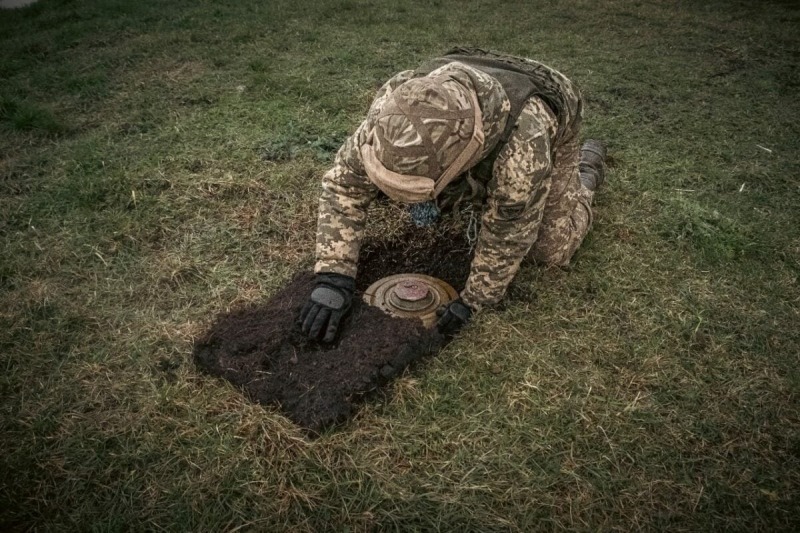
(428, 131)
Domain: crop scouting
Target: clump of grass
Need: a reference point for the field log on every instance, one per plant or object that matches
(322, 147)
(716, 238)
(26, 117)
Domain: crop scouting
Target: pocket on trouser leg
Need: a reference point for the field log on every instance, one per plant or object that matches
(510, 211)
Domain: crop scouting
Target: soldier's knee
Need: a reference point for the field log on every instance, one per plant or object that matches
(551, 255)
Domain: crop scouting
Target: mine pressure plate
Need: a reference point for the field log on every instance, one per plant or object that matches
(410, 296)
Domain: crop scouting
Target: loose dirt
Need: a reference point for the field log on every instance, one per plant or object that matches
(260, 348)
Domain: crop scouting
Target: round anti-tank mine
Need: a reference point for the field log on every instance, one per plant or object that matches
(410, 296)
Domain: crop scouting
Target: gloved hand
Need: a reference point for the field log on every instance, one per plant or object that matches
(453, 317)
(328, 304)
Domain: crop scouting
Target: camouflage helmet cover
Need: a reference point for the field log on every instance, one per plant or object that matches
(428, 131)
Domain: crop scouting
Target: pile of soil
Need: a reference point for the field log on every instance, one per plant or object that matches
(419, 251)
(261, 349)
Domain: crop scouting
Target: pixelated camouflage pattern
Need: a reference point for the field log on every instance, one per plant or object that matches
(522, 78)
(534, 204)
(346, 195)
(515, 204)
(568, 212)
(346, 191)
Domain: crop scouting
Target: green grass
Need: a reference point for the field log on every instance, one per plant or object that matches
(160, 162)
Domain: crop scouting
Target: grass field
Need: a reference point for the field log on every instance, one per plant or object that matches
(160, 162)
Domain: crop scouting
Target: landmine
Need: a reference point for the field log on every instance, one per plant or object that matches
(260, 348)
(410, 296)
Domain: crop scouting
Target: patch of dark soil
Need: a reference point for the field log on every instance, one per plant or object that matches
(316, 385)
(443, 255)
(260, 348)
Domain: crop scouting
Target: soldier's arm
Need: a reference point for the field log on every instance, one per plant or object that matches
(346, 195)
(516, 197)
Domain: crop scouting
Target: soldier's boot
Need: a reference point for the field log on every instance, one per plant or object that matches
(592, 164)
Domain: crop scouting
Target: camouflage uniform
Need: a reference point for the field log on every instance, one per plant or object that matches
(535, 203)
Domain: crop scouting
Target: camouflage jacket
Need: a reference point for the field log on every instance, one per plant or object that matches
(516, 190)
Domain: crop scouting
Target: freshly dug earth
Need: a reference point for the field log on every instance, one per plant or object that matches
(420, 251)
(261, 349)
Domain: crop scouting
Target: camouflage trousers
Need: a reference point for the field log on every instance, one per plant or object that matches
(567, 214)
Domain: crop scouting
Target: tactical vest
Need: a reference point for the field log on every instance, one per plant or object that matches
(521, 79)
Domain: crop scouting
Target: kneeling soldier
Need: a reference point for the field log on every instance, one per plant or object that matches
(469, 124)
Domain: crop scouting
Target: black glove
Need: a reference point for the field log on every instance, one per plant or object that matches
(453, 317)
(328, 304)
